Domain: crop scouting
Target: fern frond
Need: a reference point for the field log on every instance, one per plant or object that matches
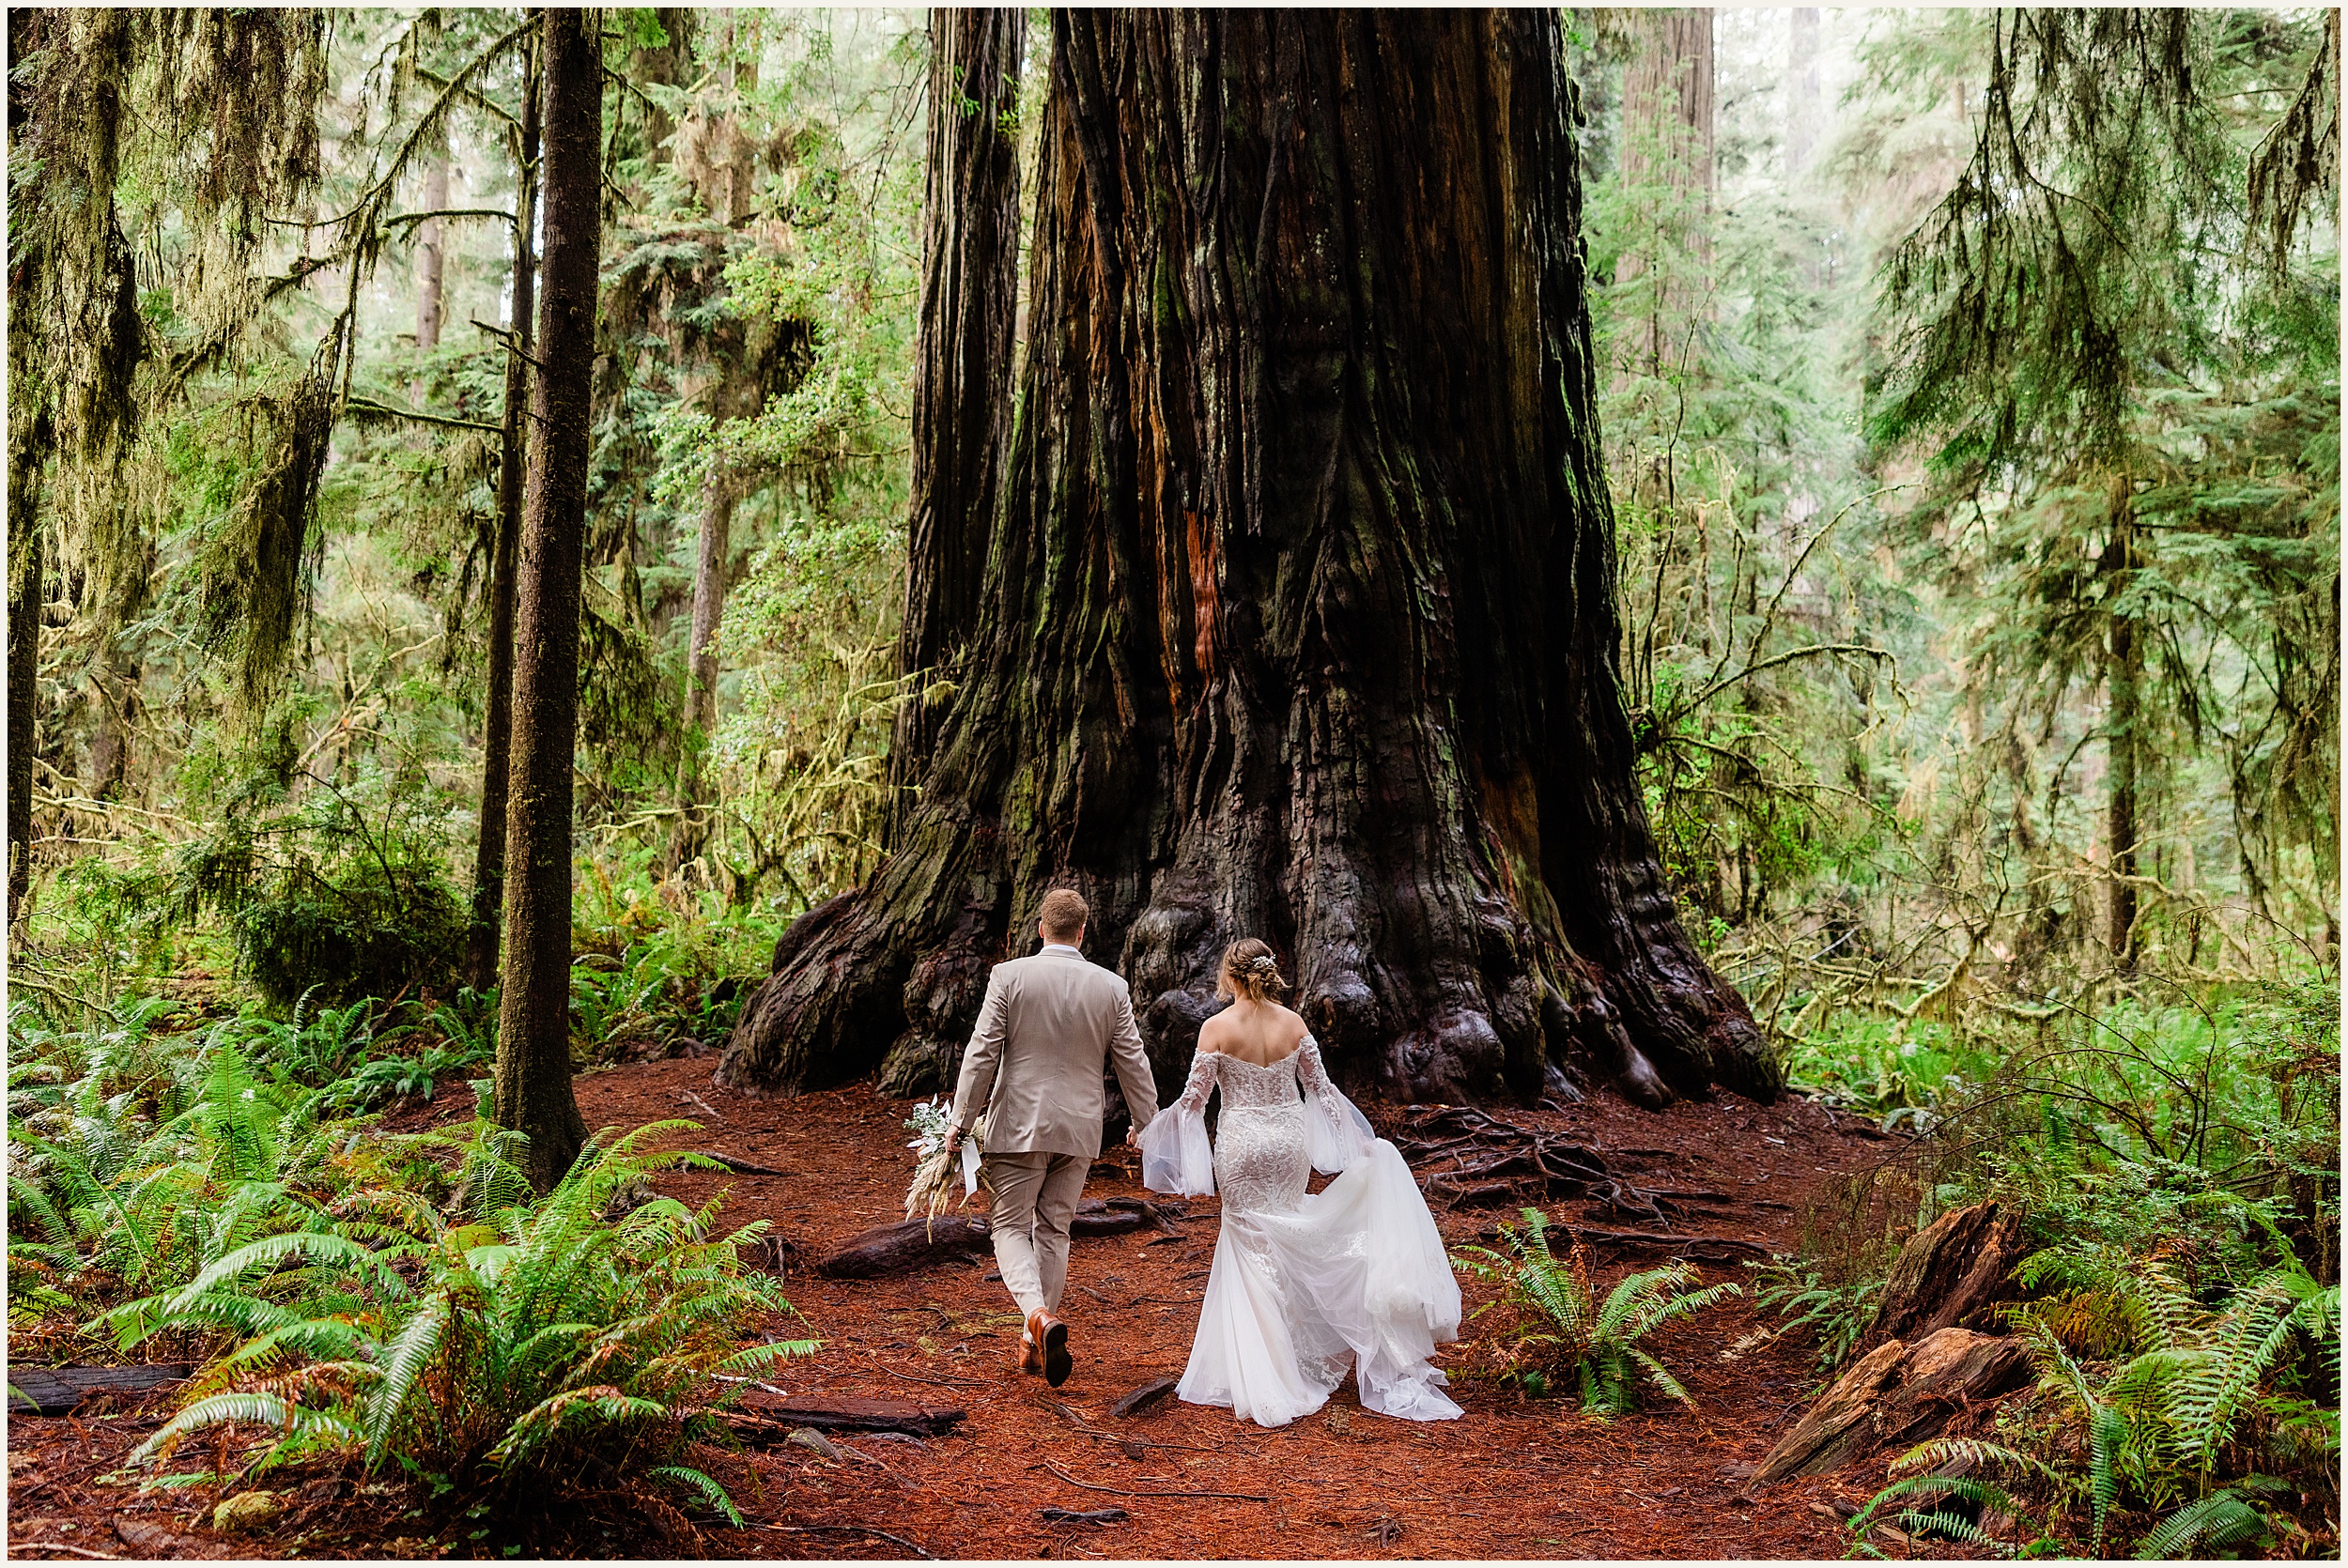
(601, 1403)
(715, 1494)
(1659, 1377)
(252, 1410)
(1974, 1452)
(2221, 1520)
(403, 1361)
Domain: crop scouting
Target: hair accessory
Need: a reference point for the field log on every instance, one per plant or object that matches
(1262, 964)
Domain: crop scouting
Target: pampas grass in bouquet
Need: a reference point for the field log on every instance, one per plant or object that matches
(933, 1190)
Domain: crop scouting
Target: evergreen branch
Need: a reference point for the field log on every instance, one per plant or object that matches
(384, 410)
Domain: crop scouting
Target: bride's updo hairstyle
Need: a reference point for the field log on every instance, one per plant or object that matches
(1250, 969)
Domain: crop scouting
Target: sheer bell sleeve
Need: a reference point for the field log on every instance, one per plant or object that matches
(1176, 1156)
(1337, 1130)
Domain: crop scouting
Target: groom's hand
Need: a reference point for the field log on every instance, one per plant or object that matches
(953, 1139)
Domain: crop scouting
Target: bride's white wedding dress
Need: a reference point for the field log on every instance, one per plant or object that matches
(1305, 1285)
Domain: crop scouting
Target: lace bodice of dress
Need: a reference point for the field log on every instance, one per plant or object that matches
(1247, 1087)
(1262, 1154)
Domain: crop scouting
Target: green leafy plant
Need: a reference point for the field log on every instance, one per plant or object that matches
(1837, 1315)
(543, 1346)
(1950, 1505)
(1595, 1344)
(2155, 1428)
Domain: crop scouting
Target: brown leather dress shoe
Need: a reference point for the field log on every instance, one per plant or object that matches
(1030, 1356)
(1051, 1334)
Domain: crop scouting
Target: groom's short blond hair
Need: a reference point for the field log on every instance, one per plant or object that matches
(1064, 914)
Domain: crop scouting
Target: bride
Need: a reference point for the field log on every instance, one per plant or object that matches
(1304, 1285)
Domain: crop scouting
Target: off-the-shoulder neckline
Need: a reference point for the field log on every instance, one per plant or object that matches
(1264, 1066)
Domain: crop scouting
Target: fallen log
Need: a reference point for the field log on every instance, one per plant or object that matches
(914, 1244)
(1143, 1397)
(770, 1420)
(1954, 1273)
(1699, 1247)
(1895, 1397)
(901, 1247)
(53, 1391)
(1107, 1221)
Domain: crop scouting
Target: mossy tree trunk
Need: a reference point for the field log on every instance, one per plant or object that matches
(497, 725)
(534, 1064)
(2124, 674)
(1297, 617)
(30, 433)
(720, 495)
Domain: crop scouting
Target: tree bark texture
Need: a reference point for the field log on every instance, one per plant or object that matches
(488, 872)
(25, 588)
(1669, 93)
(30, 434)
(2124, 676)
(1297, 617)
(533, 1065)
(428, 263)
(963, 355)
(718, 500)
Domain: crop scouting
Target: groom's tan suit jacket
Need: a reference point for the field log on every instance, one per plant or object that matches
(1034, 1063)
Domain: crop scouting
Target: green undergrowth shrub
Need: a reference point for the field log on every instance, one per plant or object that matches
(2176, 1167)
(662, 966)
(343, 887)
(1565, 1337)
(538, 1347)
(116, 1193)
(2204, 1429)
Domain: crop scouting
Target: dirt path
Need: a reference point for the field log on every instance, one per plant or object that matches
(1517, 1478)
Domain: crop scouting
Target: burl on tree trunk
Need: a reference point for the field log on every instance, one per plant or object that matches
(1297, 617)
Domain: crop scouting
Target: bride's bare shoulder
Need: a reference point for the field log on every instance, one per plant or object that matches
(1213, 1032)
(1291, 1024)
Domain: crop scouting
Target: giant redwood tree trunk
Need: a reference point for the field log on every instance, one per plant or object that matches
(969, 289)
(534, 1064)
(1297, 617)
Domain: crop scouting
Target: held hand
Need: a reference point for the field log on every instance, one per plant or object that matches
(953, 1139)
(1133, 1135)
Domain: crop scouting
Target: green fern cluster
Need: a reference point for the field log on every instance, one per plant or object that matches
(140, 1189)
(138, 1156)
(2200, 1398)
(543, 1344)
(1596, 1345)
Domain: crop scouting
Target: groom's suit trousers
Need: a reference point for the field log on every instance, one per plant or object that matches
(1035, 1198)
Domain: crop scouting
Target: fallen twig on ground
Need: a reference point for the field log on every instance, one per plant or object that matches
(1128, 1492)
(914, 1547)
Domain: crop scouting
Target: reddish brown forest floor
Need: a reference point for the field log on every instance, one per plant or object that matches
(1517, 1478)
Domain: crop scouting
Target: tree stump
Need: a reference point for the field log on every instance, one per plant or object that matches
(1950, 1275)
(1897, 1395)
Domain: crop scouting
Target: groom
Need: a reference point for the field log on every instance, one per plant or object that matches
(1034, 1068)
